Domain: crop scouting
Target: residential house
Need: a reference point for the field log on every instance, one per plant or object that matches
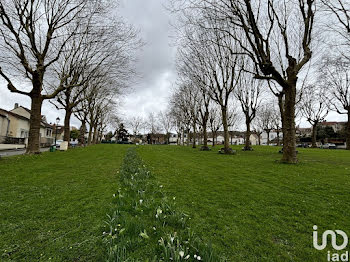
(337, 126)
(273, 137)
(304, 131)
(59, 133)
(4, 126)
(16, 122)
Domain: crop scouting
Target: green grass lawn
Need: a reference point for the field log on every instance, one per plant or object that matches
(52, 206)
(252, 208)
(248, 206)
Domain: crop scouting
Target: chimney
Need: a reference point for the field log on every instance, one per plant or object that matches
(16, 105)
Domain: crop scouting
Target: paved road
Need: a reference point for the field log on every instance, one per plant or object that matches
(18, 152)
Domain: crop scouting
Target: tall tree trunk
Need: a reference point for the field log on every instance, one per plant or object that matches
(289, 147)
(268, 137)
(348, 131)
(259, 139)
(205, 136)
(82, 133)
(35, 122)
(194, 135)
(247, 134)
(281, 107)
(90, 134)
(278, 137)
(314, 134)
(183, 136)
(213, 136)
(188, 137)
(95, 134)
(227, 149)
(67, 117)
(205, 132)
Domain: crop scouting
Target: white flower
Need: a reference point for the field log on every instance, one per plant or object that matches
(104, 233)
(141, 201)
(198, 258)
(113, 195)
(195, 256)
(159, 211)
(181, 253)
(174, 198)
(187, 257)
(161, 186)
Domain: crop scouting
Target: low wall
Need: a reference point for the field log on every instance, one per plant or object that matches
(11, 147)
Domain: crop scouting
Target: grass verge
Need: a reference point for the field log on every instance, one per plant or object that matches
(52, 205)
(250, 206)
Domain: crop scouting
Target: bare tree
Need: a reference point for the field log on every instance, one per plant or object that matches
(136, 124)
(153, 126)
(215, 122)
(277, 126)
(233, 119)
(182, 108)
(276, 36)
(33, 36)
(314, 107)
(178, 121)
(166, 123)
(338, 16)
(248, 94)
(212, 52)
(101, 47)
(204, 117)
(266, 119)
(335, 73)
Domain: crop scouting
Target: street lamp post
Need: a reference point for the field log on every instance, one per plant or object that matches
(57, 121)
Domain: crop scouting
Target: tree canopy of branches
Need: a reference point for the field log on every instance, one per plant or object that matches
(314, 107)
(335, 74)
(275, 35)
(249, 94)
(210, 57)
(101, 47)
(33, 37)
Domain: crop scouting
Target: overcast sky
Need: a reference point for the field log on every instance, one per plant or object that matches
(156, 61)
(156, 65)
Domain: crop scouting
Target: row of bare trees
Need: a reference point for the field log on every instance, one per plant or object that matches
(77, 54)
(246, 47)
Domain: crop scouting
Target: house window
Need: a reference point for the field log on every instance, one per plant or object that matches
(24, 133)
(48, 132)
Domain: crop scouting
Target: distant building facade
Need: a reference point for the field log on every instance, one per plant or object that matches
(15, 125)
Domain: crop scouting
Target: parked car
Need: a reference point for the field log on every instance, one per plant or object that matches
(58, 143)
(73, 143)
(124, 142)
(329, 146)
